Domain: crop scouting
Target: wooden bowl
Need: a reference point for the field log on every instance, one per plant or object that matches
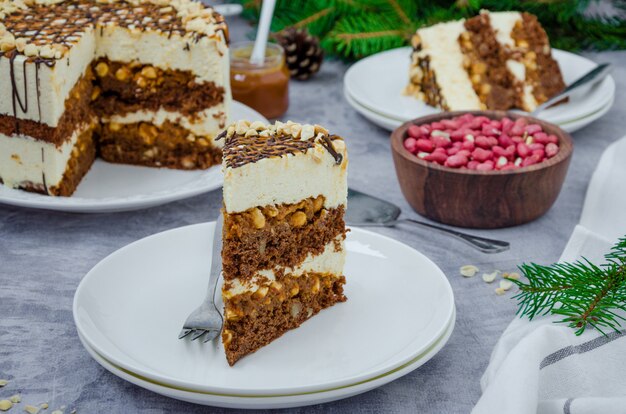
(480, 199)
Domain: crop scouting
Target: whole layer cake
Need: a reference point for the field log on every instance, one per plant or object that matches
(141, 82)
(285, 193)
(494, 61)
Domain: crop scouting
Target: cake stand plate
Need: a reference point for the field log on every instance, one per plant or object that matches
(129, 309)
(390, 69)
(113, 187)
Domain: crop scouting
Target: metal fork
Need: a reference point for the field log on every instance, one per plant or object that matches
(206, 320)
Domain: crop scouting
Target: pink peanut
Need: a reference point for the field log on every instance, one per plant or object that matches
(482, 144)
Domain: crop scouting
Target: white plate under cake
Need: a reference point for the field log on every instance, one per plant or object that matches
(142, 82)
(399, 304)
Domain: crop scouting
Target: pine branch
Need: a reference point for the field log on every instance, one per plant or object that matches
(401, 14)
(583, 293)
(349, 39)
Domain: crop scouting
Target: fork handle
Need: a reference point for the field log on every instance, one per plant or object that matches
(216, 259)
(481, 243)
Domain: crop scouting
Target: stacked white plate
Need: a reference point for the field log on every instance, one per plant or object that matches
(373, 87)
(130, 307)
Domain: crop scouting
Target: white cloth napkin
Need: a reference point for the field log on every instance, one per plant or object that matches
(540, 366)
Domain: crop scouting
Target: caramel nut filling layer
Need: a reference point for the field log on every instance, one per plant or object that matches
(282, 235)
(254, 319)
(541, 69)
(169, 146)
(122, 88)
(485, 62)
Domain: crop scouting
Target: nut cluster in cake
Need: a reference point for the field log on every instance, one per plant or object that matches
(48, 29)
(251, 142)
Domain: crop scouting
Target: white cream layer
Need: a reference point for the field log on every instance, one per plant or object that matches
(503, 24)
(329, 261)
(55, 83)
(287, 180)
(24, 159)
(207, 123)
(440, 43)
(207, 59)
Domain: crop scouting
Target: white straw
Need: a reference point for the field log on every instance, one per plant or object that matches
(258, 53)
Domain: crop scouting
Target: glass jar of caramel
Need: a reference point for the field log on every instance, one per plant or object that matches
(263, 87)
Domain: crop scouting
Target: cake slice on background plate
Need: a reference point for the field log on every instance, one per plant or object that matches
(499, 60)
(285, 193)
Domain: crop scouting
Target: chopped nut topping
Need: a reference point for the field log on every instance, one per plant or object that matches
(294, 291)
(506, 284)
(512, 276)
(5, 405)
(31, 409)
(64, 25)
(298, 219)
(490, 277)
(227, 336)
(295, 310)
(149, 72)
(468, 270)
(277, 285)
(258, 219)
(261, 292)
(102, 69)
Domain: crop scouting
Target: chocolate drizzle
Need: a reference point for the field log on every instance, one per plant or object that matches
(15, 93)
(328, 144)
(240, 150)
(37, 83)
(15, 96)
(43, 173)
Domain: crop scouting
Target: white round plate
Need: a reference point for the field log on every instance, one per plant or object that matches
(390, 70)
(131, 306)
(382, 121)
(113, 187)
(285, 401)
(391, 123)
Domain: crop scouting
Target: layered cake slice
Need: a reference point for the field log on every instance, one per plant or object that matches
(141, 82)
(495, 61)
(285, 194)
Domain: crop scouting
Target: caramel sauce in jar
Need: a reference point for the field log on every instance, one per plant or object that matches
(263, 87)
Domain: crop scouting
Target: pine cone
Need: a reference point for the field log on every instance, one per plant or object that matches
(302, 51)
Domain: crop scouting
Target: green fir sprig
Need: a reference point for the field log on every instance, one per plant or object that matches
(583, 293)
(353, 29)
